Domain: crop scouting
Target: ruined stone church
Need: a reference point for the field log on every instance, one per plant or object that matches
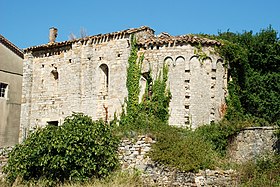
(89, 75)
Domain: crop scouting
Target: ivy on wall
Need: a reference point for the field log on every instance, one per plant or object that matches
(154, 107)
(132, 82)
(157, 96)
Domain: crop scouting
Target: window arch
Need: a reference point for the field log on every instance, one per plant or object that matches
(168, 60)
(104, 78)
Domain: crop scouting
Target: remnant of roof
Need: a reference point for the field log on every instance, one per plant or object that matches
(11, 46)
(165, 38)
(99, 37)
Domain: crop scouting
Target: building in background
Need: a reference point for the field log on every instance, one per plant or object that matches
(11, 61)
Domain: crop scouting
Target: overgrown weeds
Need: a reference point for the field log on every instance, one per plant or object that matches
(264, 171)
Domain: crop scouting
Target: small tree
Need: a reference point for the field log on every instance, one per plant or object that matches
(77, 150)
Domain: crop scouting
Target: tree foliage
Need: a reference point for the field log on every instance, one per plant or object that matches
(254, 61)
(76, 151)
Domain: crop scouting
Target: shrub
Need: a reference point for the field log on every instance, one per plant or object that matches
(220, 134)
(76, 151)
(182, 149)
(263, 171)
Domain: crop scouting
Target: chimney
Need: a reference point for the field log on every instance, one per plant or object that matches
(52, 35)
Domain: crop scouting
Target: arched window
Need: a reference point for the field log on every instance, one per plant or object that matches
(104, 78)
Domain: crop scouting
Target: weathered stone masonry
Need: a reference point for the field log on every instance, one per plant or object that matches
(89, 75)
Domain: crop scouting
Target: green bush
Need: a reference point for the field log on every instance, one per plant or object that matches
(75, 151)
(182, 149)
(220, 134)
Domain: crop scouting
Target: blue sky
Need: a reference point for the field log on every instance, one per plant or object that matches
(26, 22)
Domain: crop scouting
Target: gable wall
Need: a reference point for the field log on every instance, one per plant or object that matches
(78, 87)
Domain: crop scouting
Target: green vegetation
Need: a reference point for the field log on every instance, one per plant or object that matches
(153, 111)
(254, 68)
(262, 172)
(132, 83)
(76, 151)
(183, 149)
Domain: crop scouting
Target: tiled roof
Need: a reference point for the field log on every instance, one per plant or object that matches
(11, 46)
(165, 38)
(95, 37)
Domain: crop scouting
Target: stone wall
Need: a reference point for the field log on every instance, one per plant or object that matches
(253, 142)
(81, 84)
(198, 87)
(88, 77)
(132, 156)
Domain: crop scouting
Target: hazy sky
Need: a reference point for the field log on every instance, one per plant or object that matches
(26, 22)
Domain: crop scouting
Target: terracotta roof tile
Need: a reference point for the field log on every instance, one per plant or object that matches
(99, 36)
(165, 38)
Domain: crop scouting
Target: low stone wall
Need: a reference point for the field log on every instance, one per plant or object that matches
(248, 144)
(251, 142)
(132, 156)
(132, 152)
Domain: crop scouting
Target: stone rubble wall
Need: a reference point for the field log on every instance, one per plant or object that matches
(133, 155)
(252, 142)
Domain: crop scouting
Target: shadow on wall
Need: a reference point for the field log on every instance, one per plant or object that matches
(276, 146)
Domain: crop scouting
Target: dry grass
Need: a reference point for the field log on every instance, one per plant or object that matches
(117, 179)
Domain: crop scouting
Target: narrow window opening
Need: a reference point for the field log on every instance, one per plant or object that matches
(54, 123)
(104, 78)
(3, 89)
(55, 73)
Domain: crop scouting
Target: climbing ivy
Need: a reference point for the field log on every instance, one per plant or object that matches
(132, 81)
(157, 96)
(200, 53)
(153, 109)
